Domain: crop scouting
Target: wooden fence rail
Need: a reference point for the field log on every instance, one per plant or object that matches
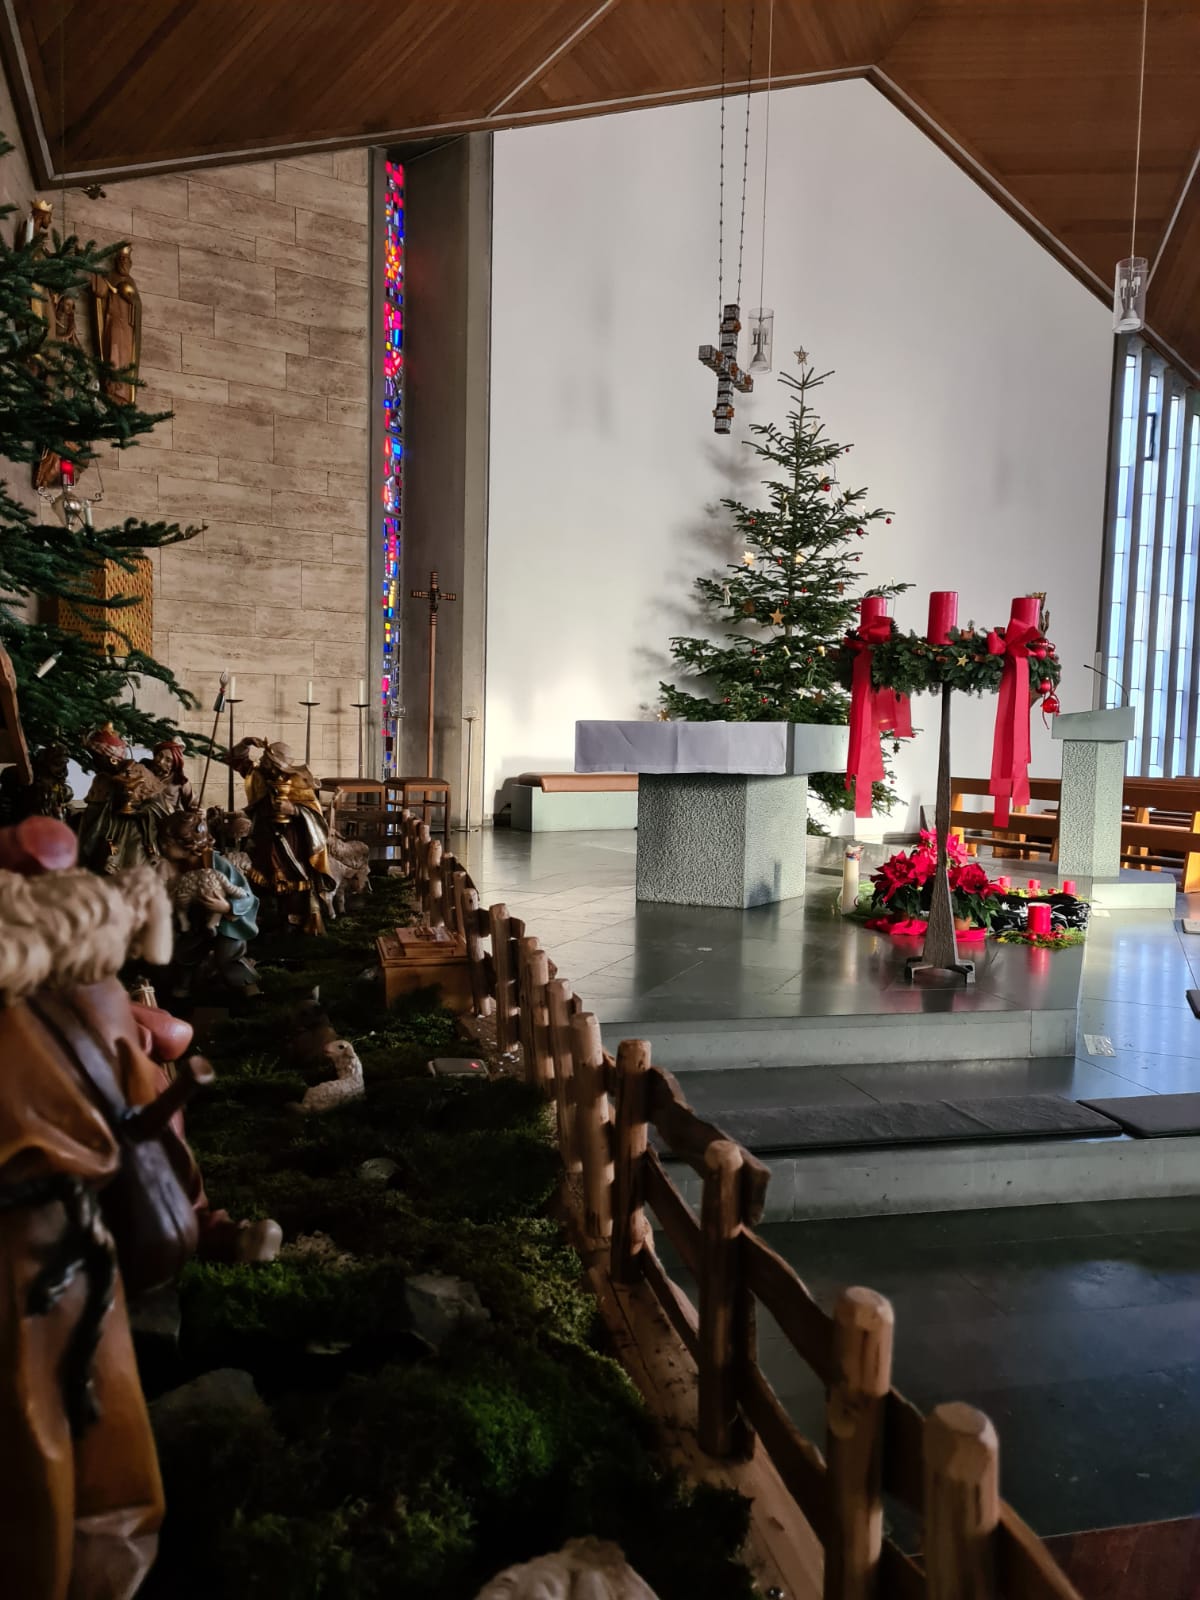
(944, 1466)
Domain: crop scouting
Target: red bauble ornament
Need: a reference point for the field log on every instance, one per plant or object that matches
(1050, 706)
(1038, 652)
(825, 488)
(887, 519)
(1045, 687)
(764, 699)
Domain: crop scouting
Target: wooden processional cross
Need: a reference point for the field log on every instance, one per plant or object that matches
(723, 361)
(435, 596)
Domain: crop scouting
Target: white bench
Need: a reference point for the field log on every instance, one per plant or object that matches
(574, 802)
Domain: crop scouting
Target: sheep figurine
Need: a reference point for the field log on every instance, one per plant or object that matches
(350, 868)
(204, 887)
(346, 1085)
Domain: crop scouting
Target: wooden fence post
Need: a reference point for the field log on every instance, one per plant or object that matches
(630, 1227)
(863, 1327)
(593, 1127)
(471, 926)
(962, 1504)
(449, 899)
(421, 857)
(435, 911)
(558, 1006)
(498, 921)
(725, 1311)
(535, 1020)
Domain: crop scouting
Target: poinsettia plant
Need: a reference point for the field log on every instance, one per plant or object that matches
(903, 885)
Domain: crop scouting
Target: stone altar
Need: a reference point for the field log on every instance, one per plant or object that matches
(722, 806)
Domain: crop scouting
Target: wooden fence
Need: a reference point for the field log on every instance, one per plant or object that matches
(878, 1446)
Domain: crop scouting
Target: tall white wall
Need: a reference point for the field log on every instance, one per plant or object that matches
(972, 377)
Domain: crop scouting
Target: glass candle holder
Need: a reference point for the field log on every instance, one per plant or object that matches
(1129, 294)
(761, 328)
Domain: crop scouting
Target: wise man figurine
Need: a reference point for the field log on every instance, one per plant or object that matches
(289, 836)
(117, 326)
(167, 762)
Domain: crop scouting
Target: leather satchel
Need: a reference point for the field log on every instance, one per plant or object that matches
(146, 1206)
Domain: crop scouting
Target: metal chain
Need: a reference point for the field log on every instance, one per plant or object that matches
(745, 153)
(721, 190)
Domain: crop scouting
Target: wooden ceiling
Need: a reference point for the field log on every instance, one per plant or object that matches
(1037, 99)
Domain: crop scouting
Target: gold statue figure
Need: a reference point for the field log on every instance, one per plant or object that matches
(117, 325)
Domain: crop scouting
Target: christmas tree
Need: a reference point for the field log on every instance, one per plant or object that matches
(55, 406)
(793, 596)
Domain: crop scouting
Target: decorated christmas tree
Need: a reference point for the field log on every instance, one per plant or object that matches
(59, 408)
(790, 601)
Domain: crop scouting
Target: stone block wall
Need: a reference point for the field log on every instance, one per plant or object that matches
(254, 284)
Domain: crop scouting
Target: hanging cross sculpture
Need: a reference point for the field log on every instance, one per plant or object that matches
(723, 361)
(435, 596)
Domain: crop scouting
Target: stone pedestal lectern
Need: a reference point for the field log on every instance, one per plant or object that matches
(1093, 775)
(722, 806)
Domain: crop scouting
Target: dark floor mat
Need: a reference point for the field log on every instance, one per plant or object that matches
(1040, 1116)
(1152, 1116)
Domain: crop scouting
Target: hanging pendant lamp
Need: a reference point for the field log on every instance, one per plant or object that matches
(1133, 273)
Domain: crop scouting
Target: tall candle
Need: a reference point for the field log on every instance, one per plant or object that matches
(1039, 917)
(1026, 609)
(943, 614)
(233, 688)
(850, 877)
(873, 606)
(1068, 886)
(309, 695)
(362, 691)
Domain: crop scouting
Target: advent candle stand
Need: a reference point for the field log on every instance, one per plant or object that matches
(308, 711)
(360, 706)
(940, 953)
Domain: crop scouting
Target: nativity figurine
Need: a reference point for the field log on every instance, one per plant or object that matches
(215, 908)
(125, 808)
(47, 795)
(288, 843)
(166, 762)
(90, 1209)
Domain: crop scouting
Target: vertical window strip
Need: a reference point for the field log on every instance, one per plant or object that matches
(1150, 653)
(393, 457)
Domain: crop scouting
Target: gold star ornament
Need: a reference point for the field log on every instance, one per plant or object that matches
(664, 716)
(802, 356)
(962, 660)
(777, 617)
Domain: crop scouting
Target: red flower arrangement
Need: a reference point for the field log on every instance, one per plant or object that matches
(903, 887)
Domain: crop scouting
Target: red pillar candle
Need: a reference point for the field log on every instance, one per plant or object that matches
(1039, 917)
(1068, 886)
(943, 614)
(1004, 883)
(1026, 610)
(872, 606)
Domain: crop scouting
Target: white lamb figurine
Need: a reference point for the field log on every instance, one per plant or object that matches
(347, 1085)
(205, 887)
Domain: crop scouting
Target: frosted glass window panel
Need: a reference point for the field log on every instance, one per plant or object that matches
(1148, 651)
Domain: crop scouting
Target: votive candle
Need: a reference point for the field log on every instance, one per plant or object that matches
(1034, 885)
(943, 614)
(1039, 917)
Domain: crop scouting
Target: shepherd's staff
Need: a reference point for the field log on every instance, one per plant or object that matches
(218, 707)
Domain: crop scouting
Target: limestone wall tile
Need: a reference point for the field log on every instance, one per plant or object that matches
(351, 166)
(267, 333)
(351, 268)
(327, 195)
(218, 430)
(179, 316)
(348, 413)
(331, 588)
(256, 178)
(275, 475)
(201, 235)
(167, 196)
(225, 541)
(231, 359)
(184, 464)
(253, 215)
(320, 302)
(335, 237)
(233, 285)
(231, 502)
(315, 622)
(277, 402)
(161, 389)
(313, 375)
(325, 513)
(320, 444)
(335, 345)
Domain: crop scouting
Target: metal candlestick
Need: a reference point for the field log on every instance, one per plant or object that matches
(360, 706)
(231, 703)
(308, 711)
(940, 953)
(470, 722)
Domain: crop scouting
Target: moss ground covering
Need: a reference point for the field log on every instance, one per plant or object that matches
(377, 1467)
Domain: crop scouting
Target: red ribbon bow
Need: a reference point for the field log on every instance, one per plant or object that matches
(872, 712)
(1010, 749)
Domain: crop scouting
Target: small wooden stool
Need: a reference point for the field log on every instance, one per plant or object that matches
(364, 813)
(433, 792)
